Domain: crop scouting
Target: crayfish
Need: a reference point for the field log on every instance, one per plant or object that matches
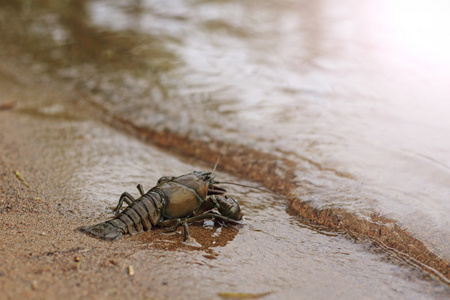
(174, 201)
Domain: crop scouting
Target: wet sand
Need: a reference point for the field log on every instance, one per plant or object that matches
(125, 75)
(48, 189)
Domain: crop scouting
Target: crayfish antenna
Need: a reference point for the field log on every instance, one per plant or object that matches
(244, 185)
(215, 166)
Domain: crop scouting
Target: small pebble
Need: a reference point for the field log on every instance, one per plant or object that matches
(6, 105)
(130, 270)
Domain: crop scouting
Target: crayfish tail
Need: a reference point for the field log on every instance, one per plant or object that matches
(104, 231)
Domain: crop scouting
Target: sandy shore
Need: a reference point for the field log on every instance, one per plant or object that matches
(43, 256)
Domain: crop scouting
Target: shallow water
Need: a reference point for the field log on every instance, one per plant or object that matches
(324, 82)
(272, 255)
(350, 91)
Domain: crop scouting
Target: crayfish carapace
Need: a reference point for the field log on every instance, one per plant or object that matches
(174, 201)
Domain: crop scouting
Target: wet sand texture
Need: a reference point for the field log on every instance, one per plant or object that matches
(74, 173)
(81, 100)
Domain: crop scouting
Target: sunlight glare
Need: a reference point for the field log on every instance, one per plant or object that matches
(421, 27)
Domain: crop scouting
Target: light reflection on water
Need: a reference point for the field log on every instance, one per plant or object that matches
(269, 253)
(420, 28)
(338, 83)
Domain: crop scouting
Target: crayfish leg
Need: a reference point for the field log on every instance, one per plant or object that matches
(128, 198)
(186, 231)
(185, 227)
(140, 189)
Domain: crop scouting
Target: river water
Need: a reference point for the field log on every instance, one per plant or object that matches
(354, 92)
(272, 255)
(341, 84)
